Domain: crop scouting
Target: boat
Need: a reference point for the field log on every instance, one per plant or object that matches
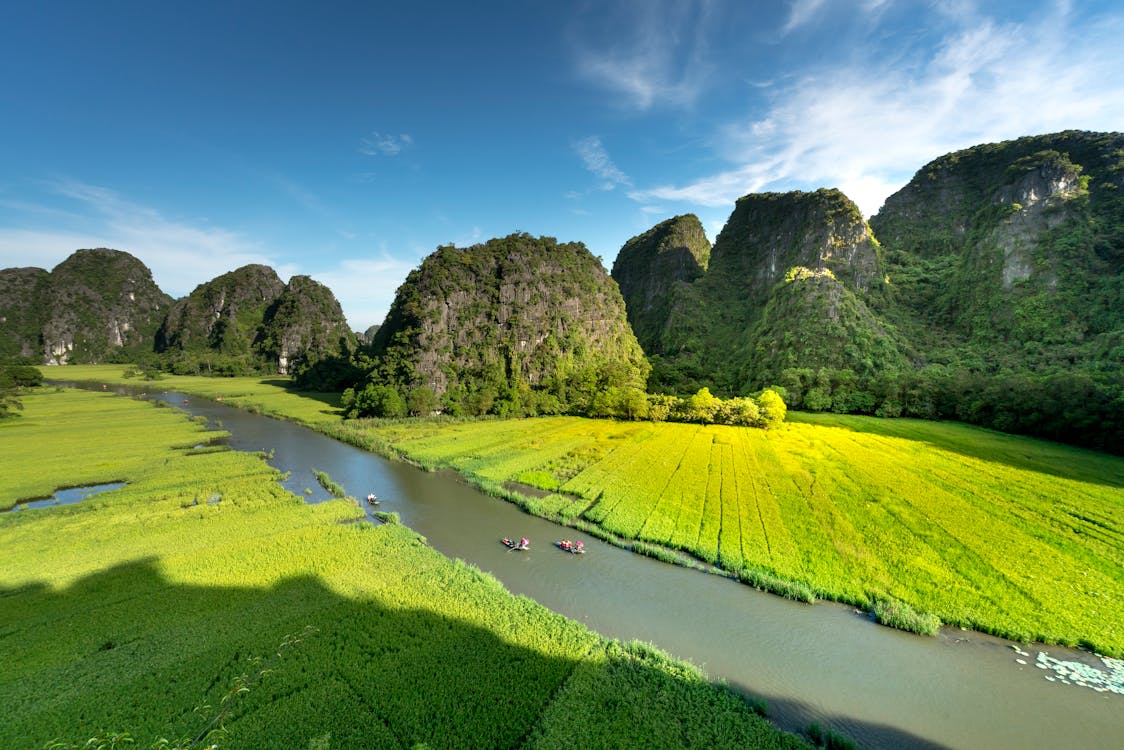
(522, 545)
(574, 548)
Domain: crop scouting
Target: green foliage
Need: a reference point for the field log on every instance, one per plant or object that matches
(333, 489)
(1070, 408)
(421, 401)
(652, 266)
(14, 379)
(374, 401)
(900, 615)
(515, 326)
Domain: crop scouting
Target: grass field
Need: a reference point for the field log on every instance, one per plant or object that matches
(270, 396)
(1007, 535)
(126, 611)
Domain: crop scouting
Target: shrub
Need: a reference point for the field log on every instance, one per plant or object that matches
(897, 614)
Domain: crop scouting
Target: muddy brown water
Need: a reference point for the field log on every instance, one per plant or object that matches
(823, 663)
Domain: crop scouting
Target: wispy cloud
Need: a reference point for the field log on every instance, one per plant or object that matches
(653, 53)
(180, 254)
(867, 127)
(801, 12)
(385, 144)
(365, 287)
(596, 159)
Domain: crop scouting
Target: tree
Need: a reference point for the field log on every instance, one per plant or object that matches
(702, 407)
(421, 401)
(374, 401)
(743, 412)
(773, 409)
(14, 379)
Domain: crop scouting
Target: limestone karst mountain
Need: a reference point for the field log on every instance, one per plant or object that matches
(519, 318)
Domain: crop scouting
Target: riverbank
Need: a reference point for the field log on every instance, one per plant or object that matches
(147, 602)
(942, 517)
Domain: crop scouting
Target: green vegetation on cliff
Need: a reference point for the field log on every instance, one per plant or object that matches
(517, 325)
(652, 270)
(791, 278)
(96, 306)
(22, 312)
(995, 296)
(215, 327)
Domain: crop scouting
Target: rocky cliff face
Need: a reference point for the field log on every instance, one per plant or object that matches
(651, 271)
(22, 313)
(517, 313)
(1016, 247)
(224, 314)
(304, 326)
(789, 278)
(99, 305)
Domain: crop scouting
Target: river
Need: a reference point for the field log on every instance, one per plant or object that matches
(823, 663)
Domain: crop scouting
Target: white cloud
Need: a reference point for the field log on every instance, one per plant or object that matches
(180, 255)
(868, 127)
(365, 287)
(596, 159)
(385, 144)
(655, 54)
(801, 12)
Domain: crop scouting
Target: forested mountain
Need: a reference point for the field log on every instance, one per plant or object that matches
(989, 289)
(22, 292)
(304, 326)
(223, 314)
(1009, 256)
(103, 306)
(790, 280)
(248, 320)
(95, 305)
(515, 325)
(653, 271)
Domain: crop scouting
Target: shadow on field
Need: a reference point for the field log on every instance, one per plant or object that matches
(127, 650)
(796, 716)
(1017, 451)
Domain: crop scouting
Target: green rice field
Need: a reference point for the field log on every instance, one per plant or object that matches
(127, 611)
(1003, 534)
(1007, 535)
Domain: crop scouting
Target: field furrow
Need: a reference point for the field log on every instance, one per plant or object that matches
(710, 526)
(730, 543)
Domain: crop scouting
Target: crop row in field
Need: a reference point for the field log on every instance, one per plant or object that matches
(998, 533)
(127, 611)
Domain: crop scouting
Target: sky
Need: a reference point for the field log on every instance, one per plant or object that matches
(348, 140)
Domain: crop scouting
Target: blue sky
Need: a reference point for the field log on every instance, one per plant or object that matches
(347, 140)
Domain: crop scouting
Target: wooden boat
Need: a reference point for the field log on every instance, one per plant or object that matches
(574, 548)
(522, 545)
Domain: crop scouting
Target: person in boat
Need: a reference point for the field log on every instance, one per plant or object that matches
(579, 547)
(371, 497)
(524, 543)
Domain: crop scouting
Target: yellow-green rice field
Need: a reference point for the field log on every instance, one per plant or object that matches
(1004, 534)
